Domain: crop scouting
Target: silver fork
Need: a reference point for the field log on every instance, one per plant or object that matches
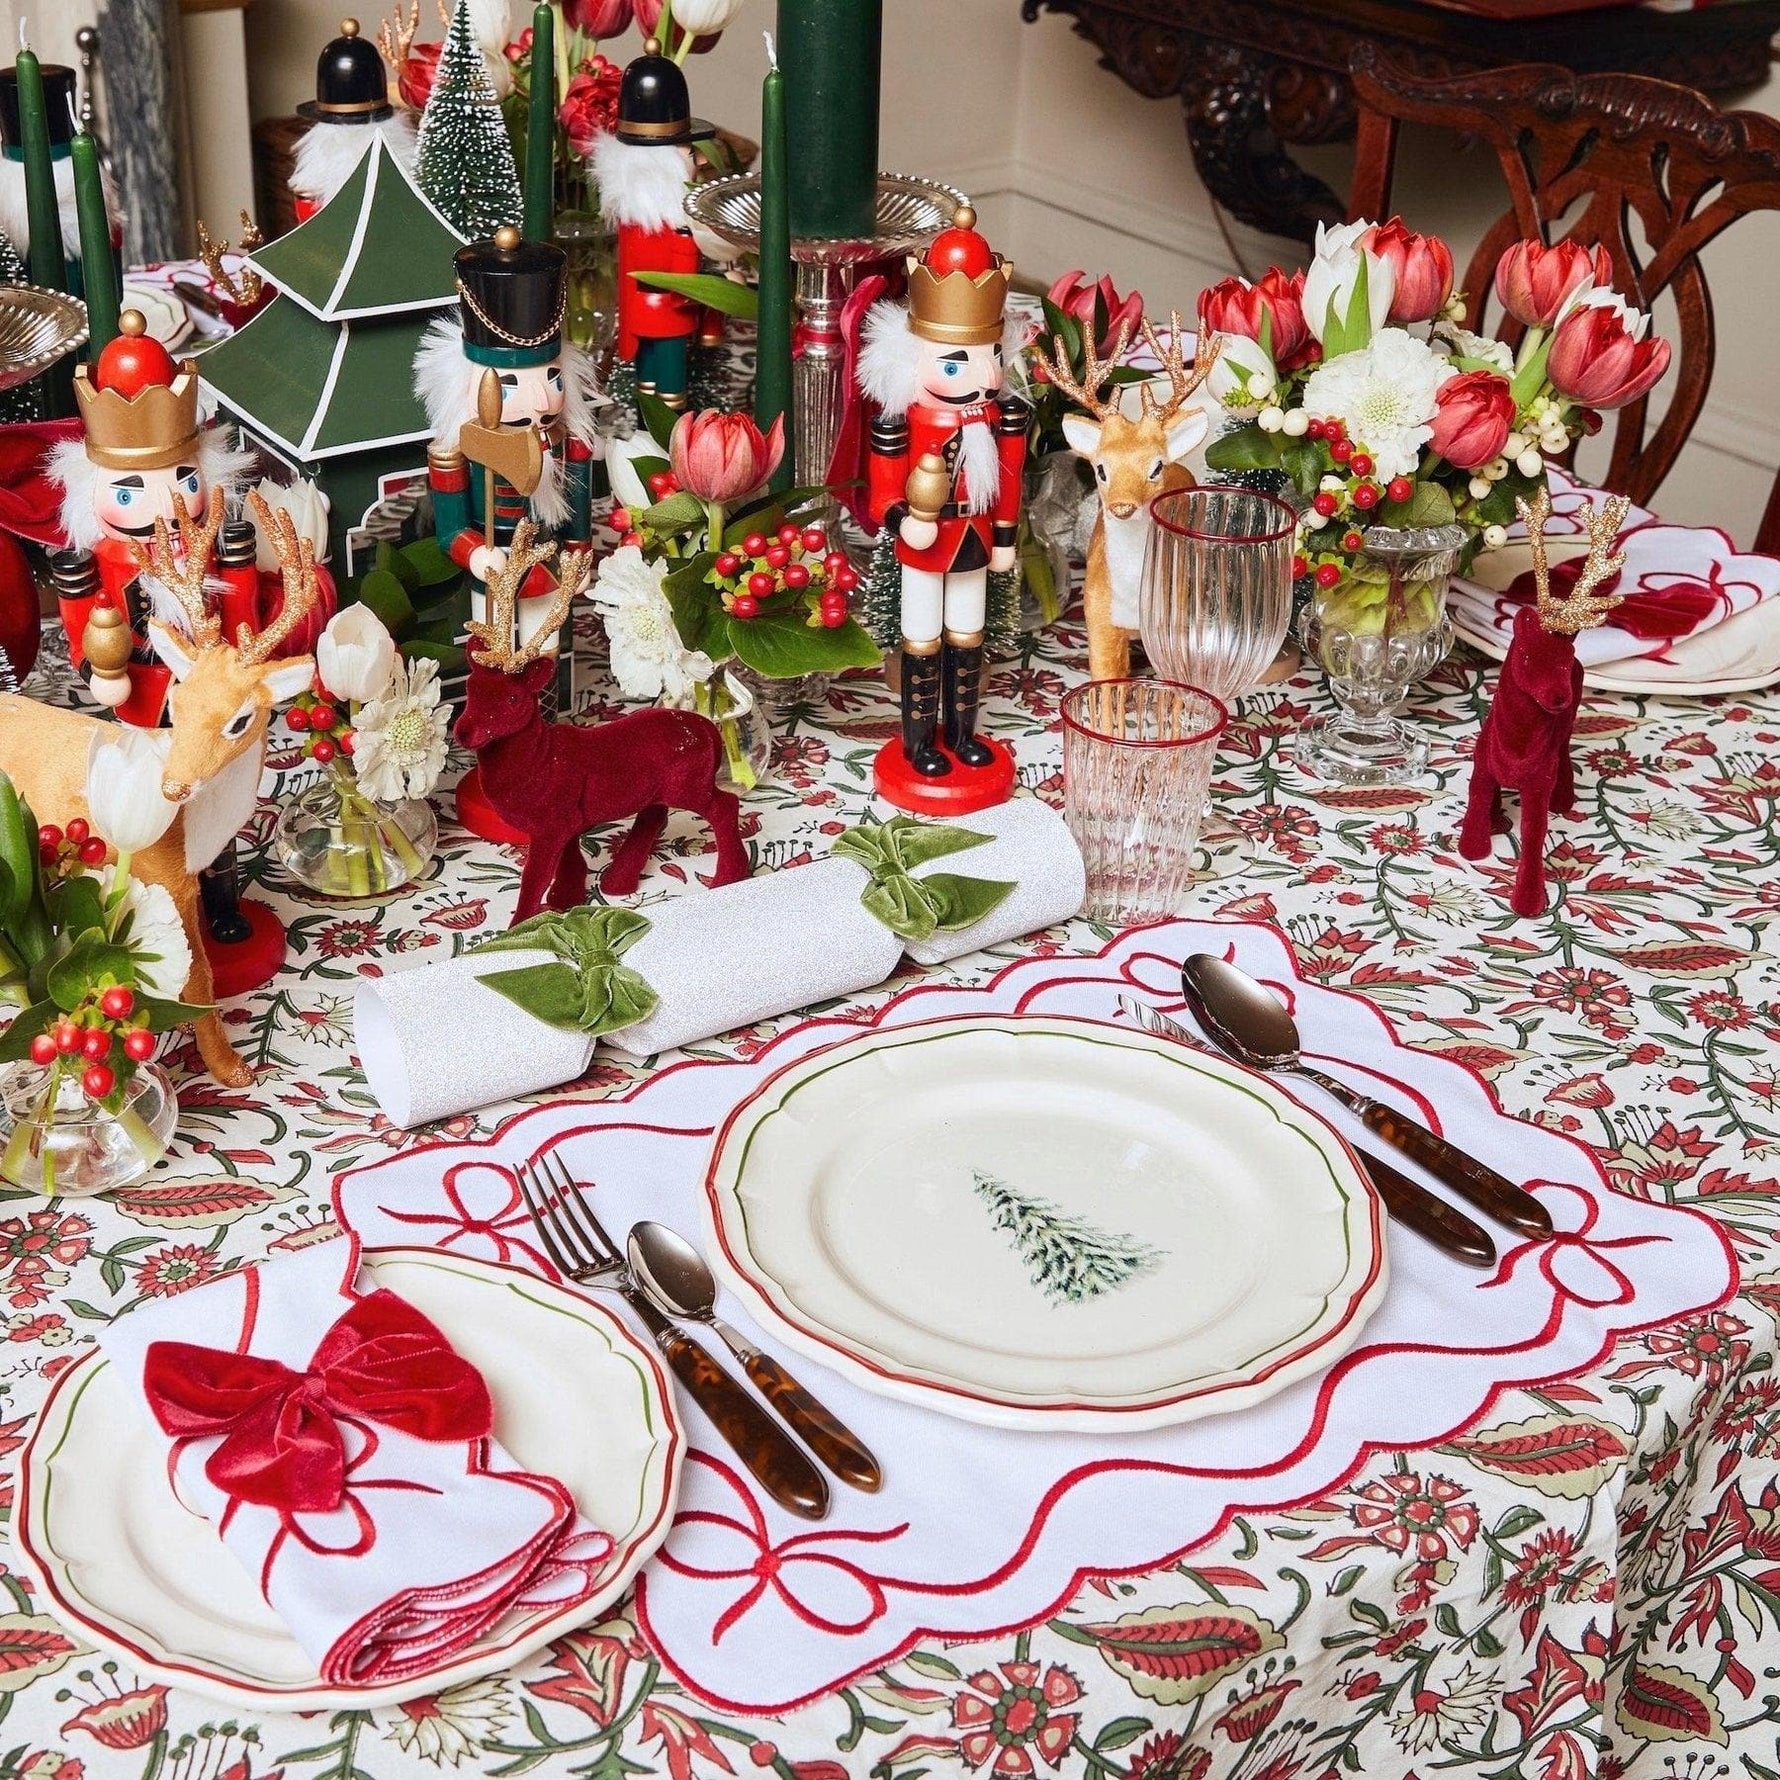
(577, 1243)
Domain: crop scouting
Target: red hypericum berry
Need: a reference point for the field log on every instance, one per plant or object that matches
(753, 544)
(847, 579)
(347, 740)
(619, 519)
(1325, 503)
(744, 605)
(323, 749)
(1334, 428)
(1361, 464)
(67, 1036)
(777, 556)
(46, 857)
(1351, 540)
(727, 564)
(98, 1080)
(1316, 430)
(789, 534)
(323, 717)
(49, 836)
(815, 540)
(94, 851)
(761, 585)
(1327, 574)
(1366, 495)
(1300, 567)
(833, 601)
(631, 540)
(43, 1048)
(78, 830)
(298, 718)
(95, 1044)
(833, 620)
(1399, 488)
(117, 1003)
(661, 484)
(139, 1044)
(834, 562)
(1341, 451)
(797, 577)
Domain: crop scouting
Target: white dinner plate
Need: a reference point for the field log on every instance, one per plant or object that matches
(1740, 654)
(122, 1564)
(1045, 1223)
(168, 319)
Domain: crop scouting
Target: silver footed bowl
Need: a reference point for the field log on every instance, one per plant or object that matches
(911, 212)
(37, 327)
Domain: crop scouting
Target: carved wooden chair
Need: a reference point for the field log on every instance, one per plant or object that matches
(1623, 151)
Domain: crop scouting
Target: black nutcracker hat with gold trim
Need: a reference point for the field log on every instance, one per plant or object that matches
(654, 107)
(351, 85)
(514, 294)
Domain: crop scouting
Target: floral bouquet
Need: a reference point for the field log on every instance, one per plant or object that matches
(377, 727)
(714, 569)
(95, 961)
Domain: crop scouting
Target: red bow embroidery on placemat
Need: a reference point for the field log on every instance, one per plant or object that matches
(1650, 612)
(282, 1445)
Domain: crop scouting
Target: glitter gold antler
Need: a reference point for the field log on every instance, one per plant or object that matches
(1584, 605)
(395, 36)
(246, 286)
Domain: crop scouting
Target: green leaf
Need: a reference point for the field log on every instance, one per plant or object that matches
(389, 560)
(91, 963)
(15, 1041)
(1428, 504)
(658, 420)
(77, 906)
(1302, 460)
(382, 592)
(699, 616)
(163, 1015)
(1244, 448)
(18, 853)
(678, 513)
(782, 646)
(1529, 375)
(426, 563)
(714, 292)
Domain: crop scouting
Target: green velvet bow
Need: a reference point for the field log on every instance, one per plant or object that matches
(584, 988)
(918, 908)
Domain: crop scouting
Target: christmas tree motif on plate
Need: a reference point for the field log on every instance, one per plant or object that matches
(1068, 1258)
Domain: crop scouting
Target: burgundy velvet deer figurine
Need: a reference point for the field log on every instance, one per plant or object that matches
(554, 781)
(1524, 745)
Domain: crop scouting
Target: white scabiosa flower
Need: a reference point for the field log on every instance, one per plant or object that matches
(648, 658)
(1384, 395)
(399, 739)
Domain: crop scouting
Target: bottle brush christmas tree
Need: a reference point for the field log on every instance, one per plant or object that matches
(464, 163)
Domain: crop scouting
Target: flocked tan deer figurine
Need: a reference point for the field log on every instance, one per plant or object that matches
(554, 781)
(223, 698)
(1134, 460)
(1524, 744)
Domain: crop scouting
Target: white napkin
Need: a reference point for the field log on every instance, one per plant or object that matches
(455, 1536)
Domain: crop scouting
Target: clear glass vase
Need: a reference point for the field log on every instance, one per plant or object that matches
(730, 700)
(1376, 633)
(336, 841)
(76, 1147)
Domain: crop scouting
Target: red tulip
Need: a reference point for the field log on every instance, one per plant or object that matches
(1234, 306)
(648, 14)
(1076, 298)
(590, 106)
(1473, 416)
(721, 457)
(415, 80)
(1603, 354)
(1534, 282)
(1423, 264)
(598, 18)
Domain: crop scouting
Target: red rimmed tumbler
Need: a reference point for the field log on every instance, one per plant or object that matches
(1137, 758)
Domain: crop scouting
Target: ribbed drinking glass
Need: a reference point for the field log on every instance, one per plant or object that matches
(1137, 758)
(1216, 595)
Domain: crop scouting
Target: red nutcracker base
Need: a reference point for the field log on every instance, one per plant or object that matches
(962, 790)
(238, 967)
(480, 817)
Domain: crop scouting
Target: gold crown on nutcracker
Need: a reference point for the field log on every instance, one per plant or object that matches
(140, 409)
(958, 289)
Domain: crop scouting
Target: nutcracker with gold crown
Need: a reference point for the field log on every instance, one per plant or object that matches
(642, 169)
(351, 106)
(146, 449)
(944, 467)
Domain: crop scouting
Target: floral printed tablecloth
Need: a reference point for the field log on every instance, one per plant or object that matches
(1587, 1582)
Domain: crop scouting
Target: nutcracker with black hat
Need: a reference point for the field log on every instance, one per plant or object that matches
(351, 107)
(642, 169)
(945, 458)
(59, 114)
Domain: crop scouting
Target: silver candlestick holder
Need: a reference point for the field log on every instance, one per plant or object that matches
(37, 327)
(910, 213)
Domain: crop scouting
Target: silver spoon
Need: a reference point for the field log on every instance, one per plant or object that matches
(1248, 1024)
(679, 1279)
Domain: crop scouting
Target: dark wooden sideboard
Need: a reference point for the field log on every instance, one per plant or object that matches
(1254, 76)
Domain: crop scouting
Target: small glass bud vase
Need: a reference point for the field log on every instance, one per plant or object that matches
(731, 699)
(75, 1146)
(1377, 632)
(334, 840)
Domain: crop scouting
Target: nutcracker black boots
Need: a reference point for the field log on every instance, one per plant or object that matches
(963, 687)
(920, 711)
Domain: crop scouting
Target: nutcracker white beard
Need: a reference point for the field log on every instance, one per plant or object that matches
(639, 186)
(981, 464)
(328, 154)
(14, 222)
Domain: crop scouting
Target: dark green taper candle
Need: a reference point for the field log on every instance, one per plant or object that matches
(772, 374)
(832, 53)
(540, 135)
(98, 270)
(48, 268)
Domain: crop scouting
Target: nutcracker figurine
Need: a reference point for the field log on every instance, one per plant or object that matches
(58, 99)
(642, 169)
(944, 466)
(144, 445)
(350, 107)
(510, 403)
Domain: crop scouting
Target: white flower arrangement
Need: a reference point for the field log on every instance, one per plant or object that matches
(1385, 393)
(402, 735)
(648, 659)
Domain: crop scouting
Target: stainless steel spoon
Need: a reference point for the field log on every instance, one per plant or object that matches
(679, 1279)
(1247, 1023)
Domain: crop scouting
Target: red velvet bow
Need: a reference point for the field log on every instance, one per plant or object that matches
(282, 1446)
